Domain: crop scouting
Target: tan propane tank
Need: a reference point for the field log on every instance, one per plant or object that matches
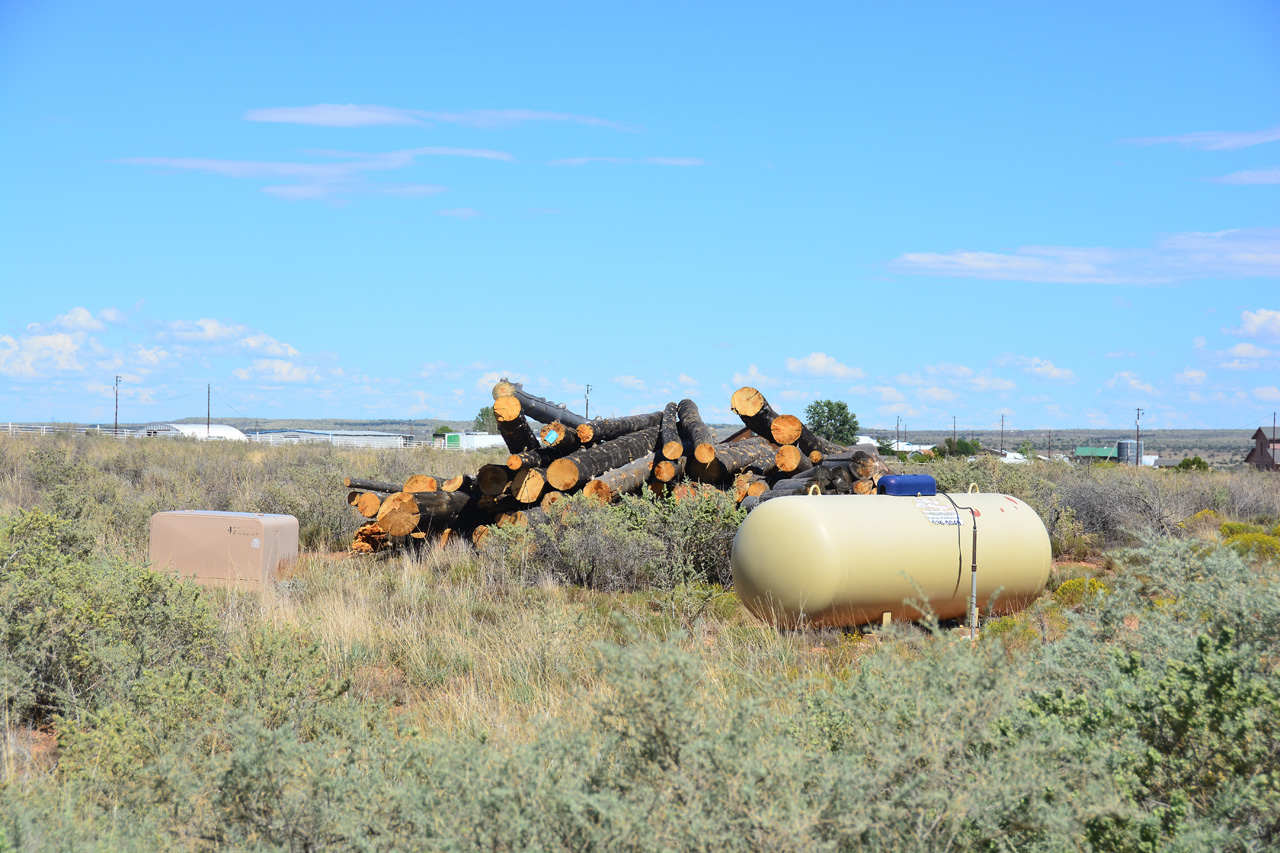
(843, 560)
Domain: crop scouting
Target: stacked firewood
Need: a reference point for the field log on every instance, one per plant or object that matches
(605, 457)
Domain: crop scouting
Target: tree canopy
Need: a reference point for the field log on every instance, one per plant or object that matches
(832, 420)
(486, 421)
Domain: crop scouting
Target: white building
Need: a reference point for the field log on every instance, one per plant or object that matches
(202, 432)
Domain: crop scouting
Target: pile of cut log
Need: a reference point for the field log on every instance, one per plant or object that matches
(773, 456)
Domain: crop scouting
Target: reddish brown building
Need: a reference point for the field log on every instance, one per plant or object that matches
(1265, 452)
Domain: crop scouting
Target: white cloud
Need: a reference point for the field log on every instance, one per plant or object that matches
(1214, 140)
(1261, 323)
(1199, 342)
(1040, 367)
(957, 371)
(460, 212)
(1190, 376)
(1258, 176)
(1240, 364)
(1129, 379)
(489, 378)
(373, 115)
(824, 366)
(1239, 253)
(1247, 350)
(889, 395)
(796, 394)
(1267, 393)
(31, 356)
(752, 377)
(686, 380)
(279, 370)
(154, 355)
(204, 329)
(628, 381)
(112, 315)
(341, 173)
(1122, 354)
(909, 379)
(78, 320)
(335, 115)
(261, 342)
(937, 395)
(991, 383)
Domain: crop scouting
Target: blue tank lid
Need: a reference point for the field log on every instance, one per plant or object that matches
(908, 484)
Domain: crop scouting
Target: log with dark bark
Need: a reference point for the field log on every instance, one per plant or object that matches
(404, 512)
(789, 459)
(864, 487)
(808, 442)
(627, 478)
(607, 429)
(732, 457)
(539, 457)
(577, 468)
(540, 409)
(669, 433)
(370, 485)
(462, 482)
(528, 483)
(492, 479)
(816, 457)
(669, 470)
(512, 425)
(564, 439)
(696, 432)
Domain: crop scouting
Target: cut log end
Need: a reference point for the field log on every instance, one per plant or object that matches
(368, 504)
(705, 453)
(586, 433)
(507, 408)
(747, 402)
(527, 485)
(673, 450)
(492, 479)
(863, 487)
(788, 458)
(420, 483)
(563, 474)
(599, 491)
(816, 457)
(786, 429)
(501, 389)
(549, 498)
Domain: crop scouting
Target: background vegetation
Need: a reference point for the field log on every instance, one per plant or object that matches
(590, 684)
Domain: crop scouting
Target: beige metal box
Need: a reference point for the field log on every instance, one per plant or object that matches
(243, 549)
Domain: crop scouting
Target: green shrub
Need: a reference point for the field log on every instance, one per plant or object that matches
(1236, 528)
(77, 634)
(1074, 592)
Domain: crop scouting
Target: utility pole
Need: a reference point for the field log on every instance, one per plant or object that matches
(587, 401)
(116, 429)
(1050, 445)
(208, 410)
(954, 442)
(1002, 435)
(1137, 424)
(897, 433)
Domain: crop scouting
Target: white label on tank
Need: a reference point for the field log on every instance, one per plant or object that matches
(255, 544)
(936, 512)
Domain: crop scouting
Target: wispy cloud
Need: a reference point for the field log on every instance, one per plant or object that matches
(1129, 379)
(1247, 350)
(823, 366)
(629, 161)
(1239, 253)
(1213, 140)
(1267, 393)
(752, 377)
(373, 115)
(460, 212)
(343, 173)
(1257, 176)
(1040, 367)
(31, 356)
(1191, 376)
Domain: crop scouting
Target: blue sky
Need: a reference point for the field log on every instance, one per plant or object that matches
(1057, 212)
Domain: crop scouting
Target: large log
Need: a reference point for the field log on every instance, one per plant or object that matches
(492, 479)
(789, 459)
(759, 416)
(697, 432)
(369, 503)
(538, 408)
(512, 426)
(627, 478)
(607, 429)
(669, 433)
(463, 482)
(420, 483)
(539, 457)
(564, 439)
(668, 470)
(732, 457)
(404, 512)
(577, 468)
(370, 485)
(528, 483)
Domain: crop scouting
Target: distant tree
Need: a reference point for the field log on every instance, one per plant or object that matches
(960, 447)
(1193, 463)
(485, 421)
(832, 420)
(1027, 449)
(885, 447)
(443, 429)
